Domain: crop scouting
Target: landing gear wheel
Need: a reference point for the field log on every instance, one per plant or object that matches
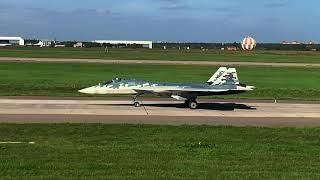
(137, 104)
(193, 104)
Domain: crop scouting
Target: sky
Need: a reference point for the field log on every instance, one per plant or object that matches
(162, 20)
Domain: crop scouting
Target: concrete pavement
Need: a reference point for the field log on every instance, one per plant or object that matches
(164, 62)
(159, 111)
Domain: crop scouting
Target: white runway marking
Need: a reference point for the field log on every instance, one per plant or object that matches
(18, 142)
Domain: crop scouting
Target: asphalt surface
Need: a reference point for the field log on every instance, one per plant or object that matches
(165, 62)
(158, 111)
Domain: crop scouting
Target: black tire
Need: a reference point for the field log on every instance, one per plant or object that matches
(193, 105)
(137, 104)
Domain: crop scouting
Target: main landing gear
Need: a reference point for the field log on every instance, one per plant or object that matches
(192, 104)
(136, 103)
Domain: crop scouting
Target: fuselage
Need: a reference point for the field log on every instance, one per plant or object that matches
(129, 87)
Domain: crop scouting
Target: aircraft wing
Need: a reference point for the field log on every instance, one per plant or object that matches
(180, 93)
(177, 90)
(168, 90)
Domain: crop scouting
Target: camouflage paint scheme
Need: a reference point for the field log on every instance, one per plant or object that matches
(224, 81)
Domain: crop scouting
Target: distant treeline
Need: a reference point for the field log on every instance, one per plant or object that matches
(209, 46)
(297, 47)
(218, 46)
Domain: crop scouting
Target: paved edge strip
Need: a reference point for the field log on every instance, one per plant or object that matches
(160, 120)
(128, 98)
(160, 62)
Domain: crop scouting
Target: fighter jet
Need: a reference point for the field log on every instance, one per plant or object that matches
(225, 81)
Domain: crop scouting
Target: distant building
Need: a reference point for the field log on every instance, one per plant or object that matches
(47, 43)
(297, 42)
(43, 43)
(78, 45)
(312, 42)
(231, 48)
(292, 42)
(60, 45)
(147, 44)
(9, 41)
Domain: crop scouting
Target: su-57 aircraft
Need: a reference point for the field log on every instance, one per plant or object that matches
(224, 81)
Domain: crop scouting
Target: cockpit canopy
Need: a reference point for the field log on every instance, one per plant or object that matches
(114, 80)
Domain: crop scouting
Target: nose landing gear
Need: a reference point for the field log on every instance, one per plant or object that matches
(136, 103)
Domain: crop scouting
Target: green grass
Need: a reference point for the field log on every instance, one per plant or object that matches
(156, 54)
(146, 152)
(52, 79)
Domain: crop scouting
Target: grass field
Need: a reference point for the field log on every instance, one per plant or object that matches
(52, 79)
(144, 152)
(156, 54)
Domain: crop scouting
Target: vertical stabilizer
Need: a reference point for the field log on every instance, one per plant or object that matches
(233, 76)
(217, 74)
(229, 77)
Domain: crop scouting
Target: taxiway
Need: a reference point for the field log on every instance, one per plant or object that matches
(159, 111)
(162, 62)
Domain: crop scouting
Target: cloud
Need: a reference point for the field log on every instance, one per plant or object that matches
(167, 20)
(271, 20)
(276, 5)
(6, 6)
(224, 9)
(168, 1)
(47, 23)
(176, 7)
(173, 5)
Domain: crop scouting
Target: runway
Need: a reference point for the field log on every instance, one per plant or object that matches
(163, 62)
(158, 111)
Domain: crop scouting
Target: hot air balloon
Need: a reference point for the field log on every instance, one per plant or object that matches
(248, 43)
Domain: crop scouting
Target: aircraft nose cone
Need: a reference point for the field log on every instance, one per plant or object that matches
(89, 90)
